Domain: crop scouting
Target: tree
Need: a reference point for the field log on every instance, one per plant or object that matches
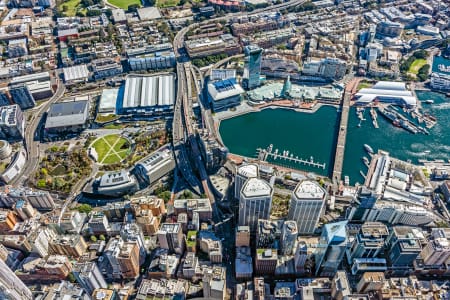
(71, 277)
(133, 7)
(84, 208)
(423, 72)
(165, 195)
(102, 237)
(93, 238)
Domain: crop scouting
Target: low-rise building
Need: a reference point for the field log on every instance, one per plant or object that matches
(202, 47)
(76, 74)
(156, 165)
(69, 116)
(116, 184)
(106, 67)
(68, 245)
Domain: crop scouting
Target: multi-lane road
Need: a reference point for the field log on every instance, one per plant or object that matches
(32, 136)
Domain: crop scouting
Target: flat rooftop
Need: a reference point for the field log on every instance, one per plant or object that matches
(308, 189)
(255, 187)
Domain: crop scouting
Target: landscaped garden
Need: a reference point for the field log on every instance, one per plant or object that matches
(60, 170)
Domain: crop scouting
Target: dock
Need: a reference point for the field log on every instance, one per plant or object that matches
(263, 154)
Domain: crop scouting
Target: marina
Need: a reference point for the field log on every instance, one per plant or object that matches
(264, 154)
(306, 134)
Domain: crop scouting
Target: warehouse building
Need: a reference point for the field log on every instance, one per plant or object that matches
(70, 116)
(390, 92)
(108, 100)
(76, 74)
(148, 94)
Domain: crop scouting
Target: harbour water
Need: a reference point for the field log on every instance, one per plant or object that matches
(302, 134)
(397, 141)
(305, 135)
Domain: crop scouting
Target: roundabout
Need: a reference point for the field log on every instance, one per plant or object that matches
(110, 149)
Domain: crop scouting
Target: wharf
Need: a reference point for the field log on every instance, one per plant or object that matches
(340, 146)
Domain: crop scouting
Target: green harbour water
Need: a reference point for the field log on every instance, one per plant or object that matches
(314, 134)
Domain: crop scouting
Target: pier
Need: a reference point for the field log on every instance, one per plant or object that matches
(263, 154)
(340, 146)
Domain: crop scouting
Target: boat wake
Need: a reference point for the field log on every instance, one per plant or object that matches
(442, 106)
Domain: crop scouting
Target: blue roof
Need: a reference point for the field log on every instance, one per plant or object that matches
(20, 203)
(336, 232)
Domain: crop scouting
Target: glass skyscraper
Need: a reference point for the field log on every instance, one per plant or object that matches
(253, 55)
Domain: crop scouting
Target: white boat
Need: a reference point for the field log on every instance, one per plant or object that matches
(368, 149)
(429, 101)
(347, 180)
(427, 151)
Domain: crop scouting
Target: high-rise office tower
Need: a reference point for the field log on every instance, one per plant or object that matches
(252, 73)
(403, 246)
(11, 287)
(307, 205)
(369, 242)
(289, 235)
(243, 173)
(255, 202)
(331, 249)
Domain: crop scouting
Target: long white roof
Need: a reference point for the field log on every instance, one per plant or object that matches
(387, 89)
(146, 91)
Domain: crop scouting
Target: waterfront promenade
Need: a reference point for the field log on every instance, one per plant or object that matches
(340, 146)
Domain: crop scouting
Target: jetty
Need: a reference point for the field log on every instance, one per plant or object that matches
(264, 154)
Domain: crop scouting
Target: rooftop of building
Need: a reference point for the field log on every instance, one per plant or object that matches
(114, 178)
(309, 190)
(255, 187)
(67, 113)
(76, 72)
(148, 91)
(224, 89)
(263, 254)
(157, 158)
(248, 170)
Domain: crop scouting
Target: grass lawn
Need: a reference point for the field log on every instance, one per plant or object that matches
(101, 147)
(109, 148)
(72, 6)
(119, 144)
(124, 3)
(416, 65)
(363, 85)
(106, 118)
(167, 3)
(111, 159)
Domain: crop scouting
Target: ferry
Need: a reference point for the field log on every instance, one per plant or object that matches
(368, 149)
(429, 101)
